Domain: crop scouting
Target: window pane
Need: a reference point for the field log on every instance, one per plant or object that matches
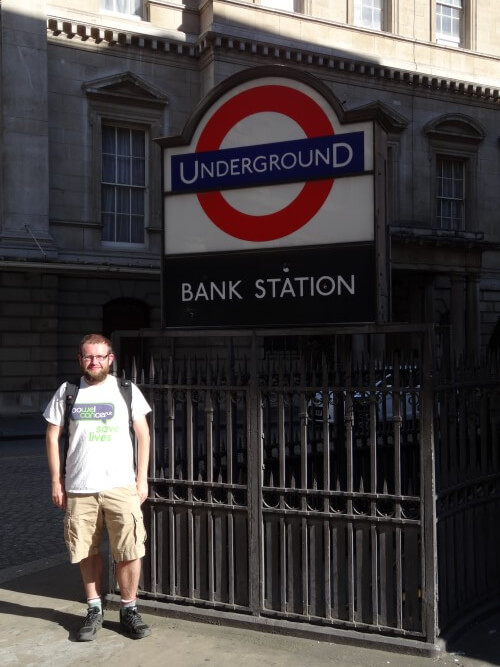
(108, 199)
(137, 202)
(138, 172)
(138, 146)
(108, 139)
(108, 168)
(108, 232)
(122, 141)
(122, 229)
(137, 229)
(123, 200)
(123, 170)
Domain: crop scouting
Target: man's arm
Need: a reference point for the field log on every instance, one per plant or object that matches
(141, 429)
(52, 436)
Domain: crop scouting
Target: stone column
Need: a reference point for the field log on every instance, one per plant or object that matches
(24, 126)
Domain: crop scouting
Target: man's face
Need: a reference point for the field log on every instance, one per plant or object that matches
(95, 362)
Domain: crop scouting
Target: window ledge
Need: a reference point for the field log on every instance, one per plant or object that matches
(434, 235)
(120, 246)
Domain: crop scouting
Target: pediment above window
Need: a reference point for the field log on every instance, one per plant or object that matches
(456, 128)
(125, 88)
(389, 119)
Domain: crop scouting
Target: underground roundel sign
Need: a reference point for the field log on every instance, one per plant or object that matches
(269, 166)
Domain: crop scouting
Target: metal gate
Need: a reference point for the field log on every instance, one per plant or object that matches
(292, 480)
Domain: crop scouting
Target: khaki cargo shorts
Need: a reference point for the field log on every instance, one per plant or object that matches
(119, 510)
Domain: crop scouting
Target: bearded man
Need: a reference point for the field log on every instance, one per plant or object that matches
(98, 486)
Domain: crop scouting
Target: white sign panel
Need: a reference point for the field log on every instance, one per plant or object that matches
(269, 166)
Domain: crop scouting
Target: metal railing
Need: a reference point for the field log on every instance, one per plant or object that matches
(292, 479)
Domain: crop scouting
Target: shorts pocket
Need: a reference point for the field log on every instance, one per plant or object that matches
(140, 531)
(70, 531)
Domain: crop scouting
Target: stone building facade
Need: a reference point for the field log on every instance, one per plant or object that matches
(87, 87)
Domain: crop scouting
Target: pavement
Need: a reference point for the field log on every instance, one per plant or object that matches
(42, 605)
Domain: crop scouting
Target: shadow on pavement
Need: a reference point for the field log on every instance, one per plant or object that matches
(480, 640)
(70, 622)
(61, 582)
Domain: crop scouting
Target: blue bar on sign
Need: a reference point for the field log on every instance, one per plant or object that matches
(265, 164)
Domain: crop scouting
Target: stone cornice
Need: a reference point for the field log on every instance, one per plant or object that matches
(212, 42)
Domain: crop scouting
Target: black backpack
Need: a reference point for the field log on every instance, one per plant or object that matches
(70, 394)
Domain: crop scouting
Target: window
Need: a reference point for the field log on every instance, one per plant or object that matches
(285, 5)
(450, 190)
(454, 143)
(123, 184)
(449, 18)
(125, 115)
(368, 14)
(130, 7)
(279, 4)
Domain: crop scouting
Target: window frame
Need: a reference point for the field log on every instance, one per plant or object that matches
(456, 137)
(389, 11)
(454, 159)
(468, 28)
(126, 99)
(298, 6)
(106, 243)
(448, 38)
(358, 6)
(145, 119)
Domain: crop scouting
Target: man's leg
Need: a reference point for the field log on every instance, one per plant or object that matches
(91, 570)
(128, 573)
(83, 529)
(127, 536)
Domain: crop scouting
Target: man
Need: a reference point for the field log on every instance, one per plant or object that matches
(98, 485)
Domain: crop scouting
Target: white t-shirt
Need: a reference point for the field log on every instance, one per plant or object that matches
(100, 454)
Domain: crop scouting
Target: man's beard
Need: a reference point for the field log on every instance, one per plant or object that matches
(95, 376)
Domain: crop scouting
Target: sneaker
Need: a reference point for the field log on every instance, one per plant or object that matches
(132, 624)
(92, 623)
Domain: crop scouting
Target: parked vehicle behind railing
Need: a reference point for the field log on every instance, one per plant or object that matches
(388, 399)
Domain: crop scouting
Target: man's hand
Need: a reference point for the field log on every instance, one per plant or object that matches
(141, 429)
(142, 489)
(58, 495)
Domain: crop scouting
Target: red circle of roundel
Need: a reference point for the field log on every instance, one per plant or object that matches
(313, 121)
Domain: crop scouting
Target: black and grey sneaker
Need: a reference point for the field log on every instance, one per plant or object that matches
(132, 624)
(92, 623)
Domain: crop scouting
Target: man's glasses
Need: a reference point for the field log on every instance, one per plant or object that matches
(97, 357)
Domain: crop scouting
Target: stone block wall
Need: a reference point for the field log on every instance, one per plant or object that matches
(43, 317)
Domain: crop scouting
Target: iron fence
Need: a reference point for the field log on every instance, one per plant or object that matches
(292, 478)
(467, 408)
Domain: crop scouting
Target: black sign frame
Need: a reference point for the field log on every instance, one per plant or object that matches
(312, 285)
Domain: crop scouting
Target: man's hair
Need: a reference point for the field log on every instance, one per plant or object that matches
(95, 339)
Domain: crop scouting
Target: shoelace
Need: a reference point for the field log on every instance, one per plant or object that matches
(91, 617)
(132, 617)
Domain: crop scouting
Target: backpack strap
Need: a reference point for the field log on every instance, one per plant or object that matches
(70, 394)
(125, 387)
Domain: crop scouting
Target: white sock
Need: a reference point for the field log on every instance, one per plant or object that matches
(95, 602)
